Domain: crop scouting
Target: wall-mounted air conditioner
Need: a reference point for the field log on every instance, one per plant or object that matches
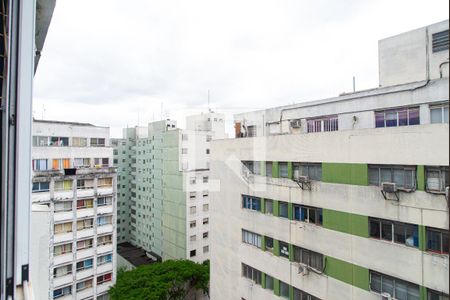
(303, 269)
(386, 296)
(389, 187)
(295, 123)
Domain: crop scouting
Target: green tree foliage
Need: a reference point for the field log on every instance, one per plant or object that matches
(169, 280)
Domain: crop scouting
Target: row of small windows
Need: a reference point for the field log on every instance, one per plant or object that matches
(284, 289)
(437, 177)
(66, 163)
(81, 265)
(65, 291)
(66, 227)
(66, 185)
(58, 141)
(437, 240)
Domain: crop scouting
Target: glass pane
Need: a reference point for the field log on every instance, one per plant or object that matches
(283, 170)
(269, 169)
(269, 282)
(375, 282)
(433, 240)
(433, 180)
(387, 285)
(284, 290)
(402, 118)
(414, 116)
(410, 181)
(400, 290)
(296, 212)
(269, 206)
(436, 115)
(445, 242)
(374, 228)
(385, 175)
(399, 177)
(319, 216)
(386, 231)
(413, 292)
(411, 235)
(446, 114)
(312, 215)
(283, 210)
(391, 118)
(379, 119)
(399, 233)
(374, 176)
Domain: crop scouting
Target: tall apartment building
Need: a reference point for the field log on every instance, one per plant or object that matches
(341, 198)
(73, 217)
(163, 187)
(23, 31)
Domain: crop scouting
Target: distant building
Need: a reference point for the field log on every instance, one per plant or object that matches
(341, 198)
(73, 218)
(163, 187)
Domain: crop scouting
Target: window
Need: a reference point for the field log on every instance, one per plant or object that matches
(84, 285)
(62, 292)
(85, 184)
(437, 178)
(254, 167)
(41, 187)
(63, 227)
(435, 295)
(57, 141)
(79, 142)
(207, 151)
(40, 165)
(63, 185)
(283, 166)
(284, 249)
(250, 202)
(205, 179)
(97, 142)
(192, 210)
(86, 203)
(268, 244)
(251, 131)
(192, 224)
(62, 271)
(309, 258)
(397, 117)
(205, 235)
(308, 214)
(192, 253)
(85, 264)
(252, 274)
(284, 290)
(205, 207)
(437, 240)
(104, 240)
(192, 180)
(104, 220)
(208, 138)
(301, 295)
(101, 162)
(329, 123)
(205, 221)
(184, 151)
(205, 194)
(403, 176)
(82, 163)
(312, 170)
(396, 288)
(104, 201)
(63, 206)
(439, 113)
(85, 224)
(59, 164)
(283, 209)
(41, 141)
(269, 169)
(251, 238)
(192, 195)
(62, 249)
(440, 41)
(101, 260)
(269, 282)
(104, 278)
(205, 249)
(193, 238)
(402, 233)
(85, 244)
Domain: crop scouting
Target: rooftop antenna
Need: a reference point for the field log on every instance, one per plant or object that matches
(354, 84)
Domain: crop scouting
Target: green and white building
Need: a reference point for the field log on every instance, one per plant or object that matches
(163, 186)
(341, 198)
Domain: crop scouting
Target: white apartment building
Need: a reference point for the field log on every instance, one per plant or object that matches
(163, 189)
(73, 217)
(341, 198)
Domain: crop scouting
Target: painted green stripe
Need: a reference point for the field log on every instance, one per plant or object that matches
(289, 165)
(276, 208)
(263, 243)
(423, 293)
(290, 211)
(276, 287)
(346, 222)
(263, 205)
(291, 292)
(275, 169)
(422, 238)
(291, 252)
(421, 178)
(276, 247)
(356, 174)
(263, 280)
(263, 168)
(347, 272)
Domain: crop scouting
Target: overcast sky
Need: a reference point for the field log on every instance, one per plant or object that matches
(113, 63)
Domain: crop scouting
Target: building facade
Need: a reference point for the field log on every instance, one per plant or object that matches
(341, 198)
(73, 217)
(163, 189)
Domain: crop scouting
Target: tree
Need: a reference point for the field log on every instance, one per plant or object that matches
(169, 280)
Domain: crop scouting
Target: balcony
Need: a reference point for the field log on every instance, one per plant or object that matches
(63, 195)
(104, 248)
(104, 287)
(106, 209)
(104, 190)
(85, 212)
(63, 216)
(83, 253)
(63, 280)
(107, 228)
(85, 192)
(63, 237)
(85, 233)
(86, 293)
(62, 259)
(40, 197)
(108, 267)
(84, 273)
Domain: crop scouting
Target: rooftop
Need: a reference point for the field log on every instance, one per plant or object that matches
(66, 123)
(136, 256)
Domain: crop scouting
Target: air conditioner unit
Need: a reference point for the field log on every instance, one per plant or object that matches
(386, 296)
(303, 179)
(303, 269)
(295, 123)
(389, 187)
